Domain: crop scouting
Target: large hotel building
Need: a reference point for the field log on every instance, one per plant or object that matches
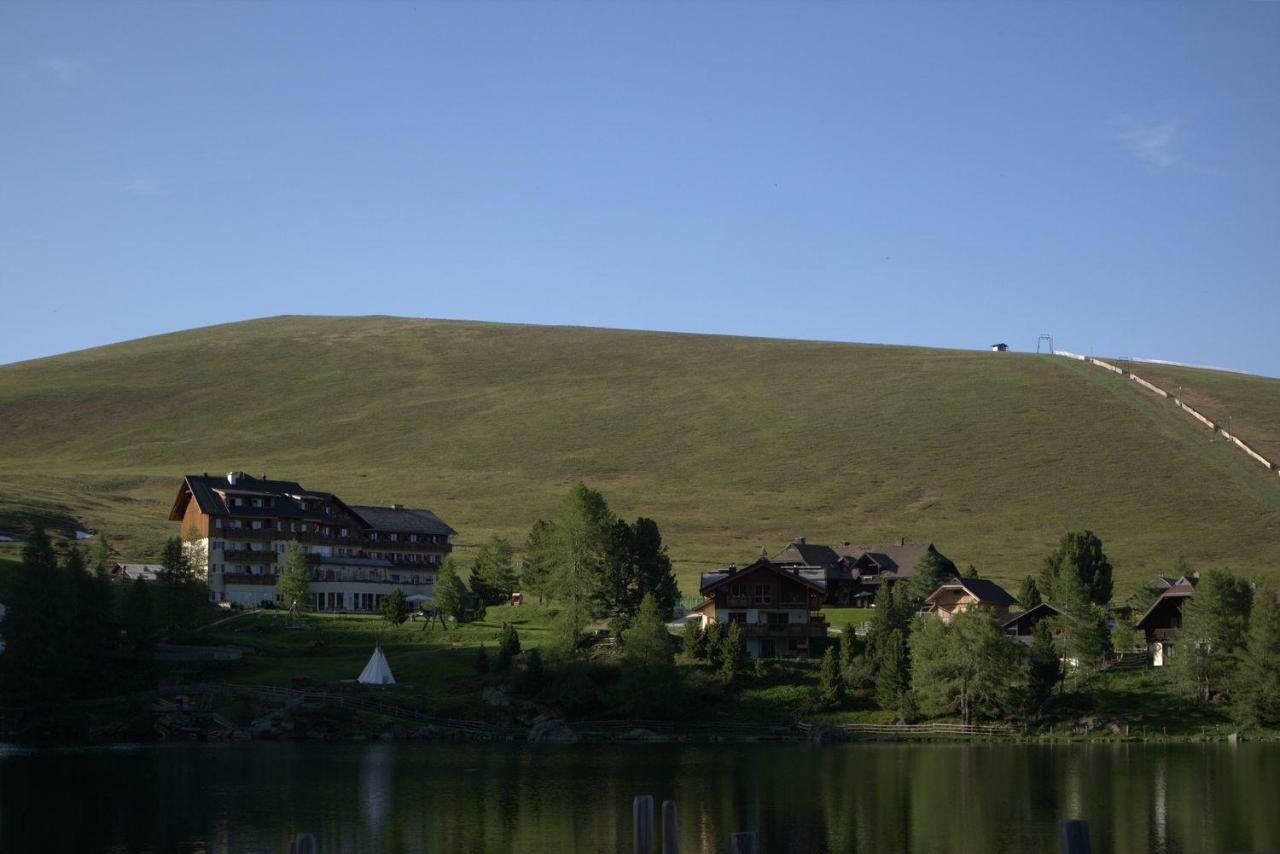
(358, 554)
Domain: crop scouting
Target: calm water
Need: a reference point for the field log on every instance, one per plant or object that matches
(433, 797)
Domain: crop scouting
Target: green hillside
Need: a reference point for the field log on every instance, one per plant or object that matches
(730, 443)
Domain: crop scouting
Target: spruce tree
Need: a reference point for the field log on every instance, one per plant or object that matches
(1258, 678)
(893, 674)
(508, 647)
(448, 590)
(1029, 593)
(694, 641)
(139, 617)
(733, 655)
(1044, 667)
(1082, 552)
(493, 574)
(830, 684)
(100, 556)
(1214, 629)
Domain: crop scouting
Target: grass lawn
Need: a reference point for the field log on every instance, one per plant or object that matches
(838, 618)
(729, 443)
(434, 669)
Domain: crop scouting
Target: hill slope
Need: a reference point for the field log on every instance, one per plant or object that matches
(730, 443)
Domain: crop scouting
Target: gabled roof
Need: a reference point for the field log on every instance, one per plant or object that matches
(401, 520)
(900, 560)
(982, 589)
(208, 491)
(1178, 593)
(809, 576)
(1041, 611)
(807, 554)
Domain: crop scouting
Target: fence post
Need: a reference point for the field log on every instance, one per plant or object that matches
(1075, 837)
(670, 829)
(744, 843)
(642, 824)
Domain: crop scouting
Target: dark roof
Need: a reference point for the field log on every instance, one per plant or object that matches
(810, 575)
(1044, 609)
(1178, 592)
(982, 589)
(900, 560)
(401, 520)
(807, 554)
(207, 491)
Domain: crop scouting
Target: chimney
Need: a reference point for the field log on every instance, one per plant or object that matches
(233, 477)
(397, 506)
(902, 541)
(733, 568)
(798, 541)
(764, 555)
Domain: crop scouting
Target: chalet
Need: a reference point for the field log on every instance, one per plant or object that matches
(134, 571)
(1160, 623)
(240, 527)
(775, 605)
(1023, 624)
(966, 593)
(855, 573)
(999, 348)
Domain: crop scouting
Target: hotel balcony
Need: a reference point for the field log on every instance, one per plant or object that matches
(815, 628)
(248, 578)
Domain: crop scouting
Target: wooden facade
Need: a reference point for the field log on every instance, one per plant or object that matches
(775, 606)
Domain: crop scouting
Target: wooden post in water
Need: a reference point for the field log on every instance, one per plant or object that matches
(642, 824)
(670, 829)
(1075, 837)
(304, 843)
(744, 843)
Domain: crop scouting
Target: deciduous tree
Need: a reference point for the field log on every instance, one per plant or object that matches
(493, 574)
(294, 584)
(1214, 629)
(394, 608)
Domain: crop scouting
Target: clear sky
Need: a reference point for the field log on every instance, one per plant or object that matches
(946, 174)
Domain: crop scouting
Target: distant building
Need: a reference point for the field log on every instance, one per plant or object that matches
(852, 573)
(357, 553)
(774, 604)
(964, 594)
(1023, 624)
(1160, 623)
(999, 348)
(133, 571)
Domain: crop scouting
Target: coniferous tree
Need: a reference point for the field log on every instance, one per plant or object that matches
(830, 683)
(448, 590)
(100, 556)
(694, 641)
(1082, 552)
(539, 562)
(508, 647)
(1258, 679)
(294, 584)
(394, 608)
(654, 573)
(648, 671)
(931, 572)
(37, 662)
(493, 575)
(1214, 629)
(893, 676)
(971, 572)
(733, 655)
(1044, 667)
(850, 647)
(715, 645)
(481, 662)
(963, 667)
(1029, 593)
(139, 617)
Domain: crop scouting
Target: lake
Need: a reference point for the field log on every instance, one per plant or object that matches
(416, 797)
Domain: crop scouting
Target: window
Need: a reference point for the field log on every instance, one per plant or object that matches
(777, 618)
(395, 576)
(764, 593)
(395, 537)
(736, 589)
(343, 532)
(217, 523)
(257, 502)
(738, 617)
(218, 545)
(413, 538)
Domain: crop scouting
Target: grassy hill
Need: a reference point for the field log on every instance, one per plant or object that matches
(730, 443)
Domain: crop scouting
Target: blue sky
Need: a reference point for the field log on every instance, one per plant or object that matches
(944, 174)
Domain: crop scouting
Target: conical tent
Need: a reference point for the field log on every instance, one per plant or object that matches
(377, 671)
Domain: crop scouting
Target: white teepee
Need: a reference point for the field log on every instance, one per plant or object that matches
(377, 671)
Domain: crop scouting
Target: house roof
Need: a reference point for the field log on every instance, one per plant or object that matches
(1181, 591)
(145, 571)
(1044, 609)
(899, 560)
(799, 553)
(982, 589)
(401, 519)
(810, 576)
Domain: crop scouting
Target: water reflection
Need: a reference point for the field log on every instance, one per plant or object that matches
(447, 798)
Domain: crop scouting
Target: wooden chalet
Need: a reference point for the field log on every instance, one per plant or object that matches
(775, 605)
(964, 594)
(1161, 622)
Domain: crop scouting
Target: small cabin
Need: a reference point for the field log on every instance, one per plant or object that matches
(965, 593)
(999, 348)
(1023, 624)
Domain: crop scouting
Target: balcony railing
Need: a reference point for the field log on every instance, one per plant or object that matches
(248, 533)
(247, 556)
(811, 629)
(248, 578)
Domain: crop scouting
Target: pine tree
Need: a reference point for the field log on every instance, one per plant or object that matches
(394, 607)
(1082, 551)
(964, 667)
(971, 572)
(1029, 593)
(733, 655)
(294, 584)
(931, 572)
(448, 590)
(493, 574)
(37, 663)
(694, 641)
(1258, 678)
(1044, 667)
(1214, 628)
(830, 684)
(539, 561)
(100, 556)
(893, 673)
(508, 647)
